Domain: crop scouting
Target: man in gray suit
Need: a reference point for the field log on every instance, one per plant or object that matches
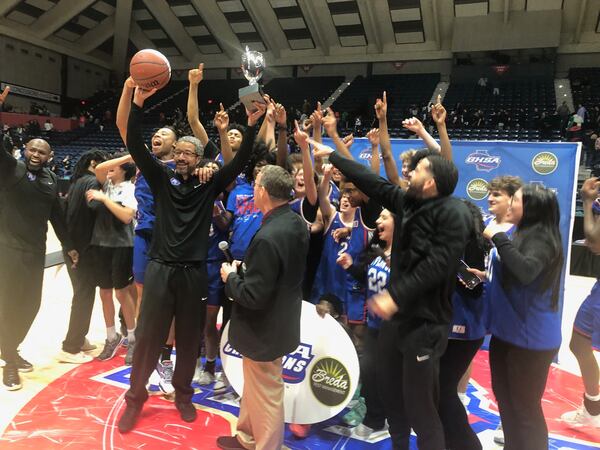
(267, 301)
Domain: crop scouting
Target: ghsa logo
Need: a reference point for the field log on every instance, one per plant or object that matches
(367, 154)
(483, 161)
(294, 363)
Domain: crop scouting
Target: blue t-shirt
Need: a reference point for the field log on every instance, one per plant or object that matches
(246, 218)
(378, 274)
(145, 214)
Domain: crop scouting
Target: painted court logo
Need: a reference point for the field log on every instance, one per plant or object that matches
(477, 189)
(483, 161)
(544, 163)
(330, 381)
(294, 363)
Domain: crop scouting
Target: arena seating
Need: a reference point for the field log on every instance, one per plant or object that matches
(585, 86)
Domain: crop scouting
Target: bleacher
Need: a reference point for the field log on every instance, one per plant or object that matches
(585, 86)
(291, 92)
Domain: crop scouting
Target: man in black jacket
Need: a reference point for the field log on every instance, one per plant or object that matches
(267, 301)
(176, 279)
(28, 199)
(430, 234)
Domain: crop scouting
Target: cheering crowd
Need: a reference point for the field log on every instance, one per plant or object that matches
(416, 276)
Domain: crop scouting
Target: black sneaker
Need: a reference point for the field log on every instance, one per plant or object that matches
(23, 365)
(110, 348)
(129, 419)
(10, 377)
(187, 411)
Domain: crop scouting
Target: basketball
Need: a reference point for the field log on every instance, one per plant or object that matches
(150, 69)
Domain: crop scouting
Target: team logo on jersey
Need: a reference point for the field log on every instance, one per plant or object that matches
(294, 364)
(544, 163)
(31, 176)
(174, 181)
(330, 381)
(477, 189)
(483, 161)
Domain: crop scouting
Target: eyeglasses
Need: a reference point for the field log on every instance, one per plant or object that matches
(186, 153)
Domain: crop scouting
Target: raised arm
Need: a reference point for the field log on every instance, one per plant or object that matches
(330, 125)
(384, 141)
(228, 173)
(267, 129)
(124, 108)
(438, 114)
(151, 169)
(309, 180)
(103, 168)
(378, 189)
(282, 136)
(327, 209)
(413, 124)
(221, 121)
(195, 76)
(591, 224)
(373, 136)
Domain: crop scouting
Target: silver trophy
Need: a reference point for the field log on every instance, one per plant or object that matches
(253, 66)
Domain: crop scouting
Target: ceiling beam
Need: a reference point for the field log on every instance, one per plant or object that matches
(216, 22)
(53, 19)
(121, 35)
(138, 37)
(22, 33)
(173, 27)
(580, 20)
(97, 35)
(370, 24)
(7, 6)
(320, 24)
(266, 23)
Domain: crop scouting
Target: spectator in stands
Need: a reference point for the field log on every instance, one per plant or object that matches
(48, 126)
(582, 112)
(482, 82)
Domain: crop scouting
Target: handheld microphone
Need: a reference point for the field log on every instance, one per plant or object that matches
(224, 247)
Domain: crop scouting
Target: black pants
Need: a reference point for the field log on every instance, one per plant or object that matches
(409, 373)
(519, 380)
(83, 280)
(371, 389)
(453, 364)
(21, 277)
(169, 291)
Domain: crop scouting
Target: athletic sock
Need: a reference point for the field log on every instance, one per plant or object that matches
(592, 404)
(166, 352)
(111, 333)
(209, 366)
(131, 336)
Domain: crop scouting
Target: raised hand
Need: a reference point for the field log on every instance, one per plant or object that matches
(317, 116)
(140, 95)
(221, 120)
(381, 107)
(348, 140)
(270, 115)
(281, 115)
(373, 136)
(195, 76)
(589, 190)
(413, 124)
(438, 112)
(253, 116)
(129, 83)
(330, 123)
(320, 150)
(4, 94)
(300, 136)
(327, 170)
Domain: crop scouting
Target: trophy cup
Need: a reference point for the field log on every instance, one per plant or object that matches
(253, 65)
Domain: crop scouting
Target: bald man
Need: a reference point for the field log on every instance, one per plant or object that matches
(28, 199)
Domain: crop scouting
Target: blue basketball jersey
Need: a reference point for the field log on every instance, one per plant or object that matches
(246, 218)
(334, 194)
(215, 235)
(145, 215)
(378, 274)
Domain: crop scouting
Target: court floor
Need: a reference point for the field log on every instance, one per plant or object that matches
(76, 407)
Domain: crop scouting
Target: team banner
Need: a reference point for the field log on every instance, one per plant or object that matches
(550, 164)
(320, 376)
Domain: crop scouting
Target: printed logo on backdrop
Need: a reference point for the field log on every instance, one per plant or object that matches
(330, 381)
(294, 363)
(483, 161)
(367, 155)
(477, 189)
(544, 163)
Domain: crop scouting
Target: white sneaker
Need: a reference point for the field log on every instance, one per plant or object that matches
(365, 432)
(580, 418)
(206, 378)
(165, 371)
(73, 358)
(221, 385)
(499, 435)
